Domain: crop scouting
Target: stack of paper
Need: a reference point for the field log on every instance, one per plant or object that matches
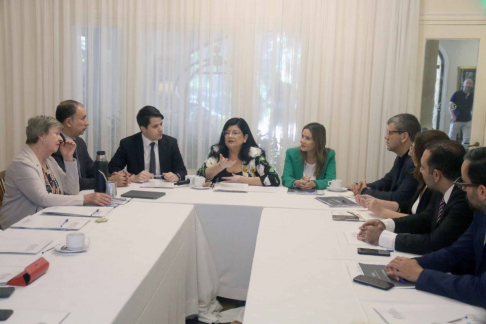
(231, 187)
(23, 246)
(51, 223)
(158, 184)
(84, 211)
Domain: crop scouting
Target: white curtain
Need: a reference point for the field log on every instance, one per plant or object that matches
(280, 64)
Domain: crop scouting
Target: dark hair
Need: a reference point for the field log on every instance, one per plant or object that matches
(406, 123)
(318, 132)
(447, 157)
(477, 166)
(244, 154)
(421, 141)
(144, 115)
(66, 109)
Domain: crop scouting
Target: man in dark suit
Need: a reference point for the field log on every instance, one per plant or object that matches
(446, 217)
(72, 115)
(431, 272)
(399, 184)
(149, 153)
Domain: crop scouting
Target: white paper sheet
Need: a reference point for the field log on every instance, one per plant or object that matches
(7, 273)
(52, 223)
(87, 211)
(231, 187)
(23, 246)
(158, 184)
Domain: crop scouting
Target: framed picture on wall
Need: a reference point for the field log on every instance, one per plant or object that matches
(465, 72)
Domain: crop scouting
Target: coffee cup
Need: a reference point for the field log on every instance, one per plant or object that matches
(111, 188)
(76, 241)
(191, 177)
(335, 184)
(199, 181)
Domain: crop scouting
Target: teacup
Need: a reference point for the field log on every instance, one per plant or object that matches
(76, 241)
(335, 184)
(199, 181)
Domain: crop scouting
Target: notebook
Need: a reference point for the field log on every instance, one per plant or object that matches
(143, 194)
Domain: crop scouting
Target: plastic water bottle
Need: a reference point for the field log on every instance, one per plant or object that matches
(101, 168)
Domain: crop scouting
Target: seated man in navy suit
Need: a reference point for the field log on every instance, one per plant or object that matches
(431, 272)
(149, 153)
(72, 115)
(399, 184)
(446, 217)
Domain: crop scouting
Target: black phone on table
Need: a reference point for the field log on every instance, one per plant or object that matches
(5, 314)
(373, 282)
(5, 292)
(376, 252)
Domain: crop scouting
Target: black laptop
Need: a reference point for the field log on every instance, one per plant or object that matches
(143, 194)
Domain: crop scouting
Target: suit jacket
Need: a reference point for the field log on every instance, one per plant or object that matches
(406, 207)
(86, 164)
(26, 191)
(421, 232)
(397, 185)
(294, 169)
(468, 249)
(130, 154)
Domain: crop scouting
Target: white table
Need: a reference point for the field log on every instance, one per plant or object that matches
(141, 267)
(303, 269)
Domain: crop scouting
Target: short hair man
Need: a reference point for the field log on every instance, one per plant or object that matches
(149, 153)
(72, 115)
(431, 271)
(446, 217)
(460, 108)
(399, 184)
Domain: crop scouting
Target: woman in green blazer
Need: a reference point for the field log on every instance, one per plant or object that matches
(312, 165)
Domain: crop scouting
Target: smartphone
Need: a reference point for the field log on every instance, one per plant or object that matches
(5, 314)
(376, 252)
(5, 292)
(352, 218)
(373, 282)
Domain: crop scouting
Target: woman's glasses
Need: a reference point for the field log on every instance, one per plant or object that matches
(234, 133)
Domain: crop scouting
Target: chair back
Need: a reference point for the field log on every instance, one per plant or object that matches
(2, 186)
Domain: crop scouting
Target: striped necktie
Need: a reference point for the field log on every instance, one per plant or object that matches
(441, 210)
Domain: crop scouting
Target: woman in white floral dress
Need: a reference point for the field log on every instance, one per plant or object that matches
(237, 158)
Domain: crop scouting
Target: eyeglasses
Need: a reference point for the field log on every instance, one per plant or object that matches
(234, 133)
(462, 185)
(388, 132)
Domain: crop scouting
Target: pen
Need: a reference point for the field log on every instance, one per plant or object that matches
(95, 212)
(67, 220)
(457, 320)
(401, 280)
(47, 250)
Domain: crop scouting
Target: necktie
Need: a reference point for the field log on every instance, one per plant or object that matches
(152, 158)
(441, 210)
(75, 155)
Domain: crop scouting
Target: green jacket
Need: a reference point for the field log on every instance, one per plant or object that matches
(294, 169)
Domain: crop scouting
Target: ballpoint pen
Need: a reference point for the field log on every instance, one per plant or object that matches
(95, 212)
(47, 250)
(67, 220)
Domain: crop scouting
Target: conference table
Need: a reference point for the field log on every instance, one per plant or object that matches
(158, 261)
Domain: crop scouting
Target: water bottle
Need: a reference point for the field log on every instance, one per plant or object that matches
(101, 169)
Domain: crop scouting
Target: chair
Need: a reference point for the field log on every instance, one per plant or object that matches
(2, 186)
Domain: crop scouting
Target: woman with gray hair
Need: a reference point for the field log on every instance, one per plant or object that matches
(34, 180)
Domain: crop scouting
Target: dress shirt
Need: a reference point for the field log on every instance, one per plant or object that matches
(146, 154)
(387, 237)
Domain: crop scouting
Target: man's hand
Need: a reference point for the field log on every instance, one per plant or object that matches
(370, 234)
(67, 150)
(143, 176)
(121, 178)
(405, 268)
(357, 187)
(171, 177)
(97, 198)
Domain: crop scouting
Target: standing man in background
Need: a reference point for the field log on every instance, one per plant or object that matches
(460, 107)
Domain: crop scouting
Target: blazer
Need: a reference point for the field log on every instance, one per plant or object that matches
(86, 164)
(294, 169)
(468, 249)
(26, 191)
(397, 185)
(406, 207)
(130, 154)
(420, 233)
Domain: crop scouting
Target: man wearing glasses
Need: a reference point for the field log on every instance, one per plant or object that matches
(399, 184)
(466, 258)
(149, 153)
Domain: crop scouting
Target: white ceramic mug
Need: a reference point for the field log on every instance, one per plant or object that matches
(191, 178)
(199, 181)
(335, 184)
(76, 241)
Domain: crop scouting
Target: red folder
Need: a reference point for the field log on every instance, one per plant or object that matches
(30, 274)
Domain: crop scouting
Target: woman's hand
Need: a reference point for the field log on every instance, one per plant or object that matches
(67, 150)
(225, 163)
(374, 206)
(97, 198)
(234, 179)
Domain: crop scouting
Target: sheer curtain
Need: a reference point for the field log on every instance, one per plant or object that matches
(279, 64)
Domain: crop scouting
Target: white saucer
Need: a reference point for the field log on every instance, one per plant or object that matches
(343, 189)
(201, 188)
(61, 248)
